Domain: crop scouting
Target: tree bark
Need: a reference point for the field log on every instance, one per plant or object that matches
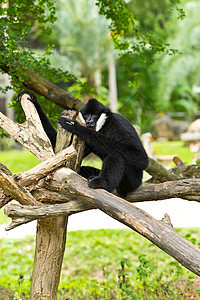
(186, 189)
(16, 191)
(32, 176)
(160, 174)
(31, 133)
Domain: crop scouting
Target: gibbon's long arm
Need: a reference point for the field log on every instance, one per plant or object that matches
(48, 127)
(102, 142)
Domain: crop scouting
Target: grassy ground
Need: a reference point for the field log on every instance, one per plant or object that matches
(176, 148)
(18, 161)
(100, 264)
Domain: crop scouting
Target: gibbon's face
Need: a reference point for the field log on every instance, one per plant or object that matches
(94, 114)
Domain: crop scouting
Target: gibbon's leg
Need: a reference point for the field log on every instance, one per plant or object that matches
(130, 182)
(110, 174)
(89, 172)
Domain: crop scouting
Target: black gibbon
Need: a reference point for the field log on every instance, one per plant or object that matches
(111, 137)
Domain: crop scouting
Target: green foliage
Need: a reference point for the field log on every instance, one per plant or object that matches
(128, 35)
(16, 55)
(82, 36)
(198, 161)
(11, 252)
(177, 74)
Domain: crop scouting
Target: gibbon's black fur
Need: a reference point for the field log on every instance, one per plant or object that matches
(112, 138)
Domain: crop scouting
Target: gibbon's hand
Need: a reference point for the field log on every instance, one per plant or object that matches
(68, 124)
(31, 97)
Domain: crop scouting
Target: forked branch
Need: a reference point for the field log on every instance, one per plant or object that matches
(31, 133)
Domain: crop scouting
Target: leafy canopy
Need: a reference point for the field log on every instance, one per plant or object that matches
(22, 17)
(16, 25)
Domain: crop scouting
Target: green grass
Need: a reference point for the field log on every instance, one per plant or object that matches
(176, 148)
(92, 265)
(18, 161)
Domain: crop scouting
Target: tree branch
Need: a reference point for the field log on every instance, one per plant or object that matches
(49, 90)
(160, 174)
(186, 189)
(22, 214)
(31, 133)
(32, 176)
(16, 191)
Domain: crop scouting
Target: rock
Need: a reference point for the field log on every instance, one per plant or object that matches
(165, 128)
(194, 127)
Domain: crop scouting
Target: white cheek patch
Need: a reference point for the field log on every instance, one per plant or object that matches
(101, 121)
(81, 117)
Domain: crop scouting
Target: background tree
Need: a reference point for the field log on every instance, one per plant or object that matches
(181, 71)
(135, 44)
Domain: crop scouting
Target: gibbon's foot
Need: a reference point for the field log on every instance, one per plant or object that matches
(31, 97)
(98, 182)
(121, 193)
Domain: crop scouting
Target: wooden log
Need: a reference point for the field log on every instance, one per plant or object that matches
(32, 176)
(16, 191)
(165, 237)
(186, 171)
(4, 199)
(22, 214)
(185, 189)
(158, 172)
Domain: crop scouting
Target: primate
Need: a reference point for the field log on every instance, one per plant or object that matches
(111, 137)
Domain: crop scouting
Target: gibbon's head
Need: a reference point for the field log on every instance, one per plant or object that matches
(94, 114)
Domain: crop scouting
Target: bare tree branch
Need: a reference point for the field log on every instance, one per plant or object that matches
(16, 191)
(160, 174)
(32, 176)
(29, 132)
(186, 189)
